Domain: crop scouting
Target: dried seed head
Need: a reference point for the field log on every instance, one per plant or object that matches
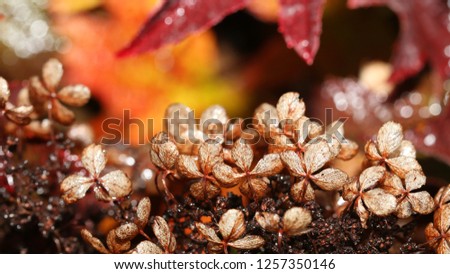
(296, 220)
(143, 212)
(268, 221)
(232, 225)
(52, 73)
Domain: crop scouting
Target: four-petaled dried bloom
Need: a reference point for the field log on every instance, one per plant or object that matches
(438, 232)
(165, 237)
(18, 115)
(390, 148)
(409, 199)
(442, 198)
(253, 181)
(112, 186)
(366, 196)
(232, 227)
(294, 222)
(306, 168)
(47, 99)
(200, 169)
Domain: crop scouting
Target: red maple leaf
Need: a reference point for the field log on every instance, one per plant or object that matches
(300, 21)
(424, 35)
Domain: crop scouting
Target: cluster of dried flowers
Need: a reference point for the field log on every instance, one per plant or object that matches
(269, 186)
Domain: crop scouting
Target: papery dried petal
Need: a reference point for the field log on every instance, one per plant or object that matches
(178, 118)
(204, 190)
(269, 165)
(290, 107)
(94, 159)
(371, 176)
(350, 191)
(421, 202)
(268, 221)
(232, 225)
(296, 220)
(404, 209)
(52, 72)
(348, 150)
(317, 155)
(402, 165)
(362, 212)
(302, 191)
(214, 248)
(208, 233)
(389, 138)
(143, 212)
(267, 120)
(214, 115)
(4, 92)
(280, 143)
(248, 242)
(443, 196)
(372, 151)
(225, 174)
(442, 219)
(93, 241)
(406, 149)
(76, 95)
(61, 114)
(379, 202)
(19, 115)
(443, 247)
(127, 232)
(393, 184)
(209, 155)
(75, 187)
(187, 165)
(242, 153)
(162, 232)
(147, 247)
(255, 188)
(293, 163)
(38, 93)
(117, 184)
(163, 152)
(414, 180)
(330, 179)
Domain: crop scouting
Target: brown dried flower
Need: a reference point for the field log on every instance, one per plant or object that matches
(200, 169)
(118, 240)
(365, 194)
(232, 228)
(18, 115)
(390, 148)
(163, 152)
(438, 232)
(112, 186)
(253, 182)
(306, 169)
(294, 222)
(442, 196)
(48, 100)
(409, 200)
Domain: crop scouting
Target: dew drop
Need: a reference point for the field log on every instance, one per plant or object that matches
(168, 21)
(180, 12)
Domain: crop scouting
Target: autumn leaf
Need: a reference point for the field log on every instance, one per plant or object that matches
(176, 19)
(301, 24)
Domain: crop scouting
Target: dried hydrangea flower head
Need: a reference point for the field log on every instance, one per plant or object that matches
(18, 115)
(390, 149)
(409, 199)
(232, 227)
(295, 222)
(438, 232)
(366, 195)
(199, 169)
(306, 169)
(119, 239)
(253, 181)
(47, 100)
(180, 124)
(114, 185)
